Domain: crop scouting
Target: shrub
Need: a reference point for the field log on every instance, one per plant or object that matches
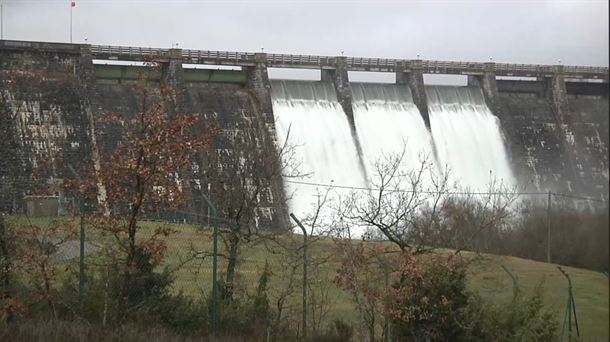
(260, 311)
(35, 330)
(429, 301)
(138, 285)
(184, 316)
(245, 315)
(524, 319)
(579, 238)
(339, 331)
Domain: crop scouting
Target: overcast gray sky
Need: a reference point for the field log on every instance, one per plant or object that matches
(511, 31)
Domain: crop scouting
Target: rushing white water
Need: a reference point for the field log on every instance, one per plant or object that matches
(467, 137)
(387, 121)
(320, 133)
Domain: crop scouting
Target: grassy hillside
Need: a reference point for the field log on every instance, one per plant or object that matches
(486, 277)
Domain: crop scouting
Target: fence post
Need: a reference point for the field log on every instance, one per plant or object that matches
(215, 299)
(304, 323)
(81, 263)
(570, 309)
(548, 237)
(386, 277)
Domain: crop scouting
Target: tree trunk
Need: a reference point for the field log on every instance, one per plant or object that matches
(234, 241)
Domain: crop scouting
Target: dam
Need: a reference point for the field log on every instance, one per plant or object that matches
(535, 127)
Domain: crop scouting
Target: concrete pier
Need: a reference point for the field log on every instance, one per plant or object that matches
(414, 78)
(558, 94)
(172, 75)
(488, 84)
(340, 79)
(261, 142)
(86, 84)
(258, 83)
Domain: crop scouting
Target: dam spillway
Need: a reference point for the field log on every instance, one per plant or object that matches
(388, 122)
(467, 137)
(464, 139)
(550, 131)
(310, 120)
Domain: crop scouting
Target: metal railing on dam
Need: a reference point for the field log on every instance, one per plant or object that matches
(352, 63)
(236, 58)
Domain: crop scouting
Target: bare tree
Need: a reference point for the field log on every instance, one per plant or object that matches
(397, 200)
(417, 211)
(245, 171)
(415, 207)
(288, 248)
(471, 221)
(360, 275)
(142, 172)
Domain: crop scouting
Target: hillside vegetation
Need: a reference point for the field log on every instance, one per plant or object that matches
(188, 256)
(486, 277)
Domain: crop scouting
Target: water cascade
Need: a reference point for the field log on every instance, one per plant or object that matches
(309, 114)
(467, 137)
(464, 136)
(387, 121)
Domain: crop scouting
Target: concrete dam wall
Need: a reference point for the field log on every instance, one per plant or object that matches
(549, 132)
(563, 149)
(50, 100)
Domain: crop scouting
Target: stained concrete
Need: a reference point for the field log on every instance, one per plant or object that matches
(52, 119)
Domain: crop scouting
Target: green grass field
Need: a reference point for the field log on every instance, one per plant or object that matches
(486, 277)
